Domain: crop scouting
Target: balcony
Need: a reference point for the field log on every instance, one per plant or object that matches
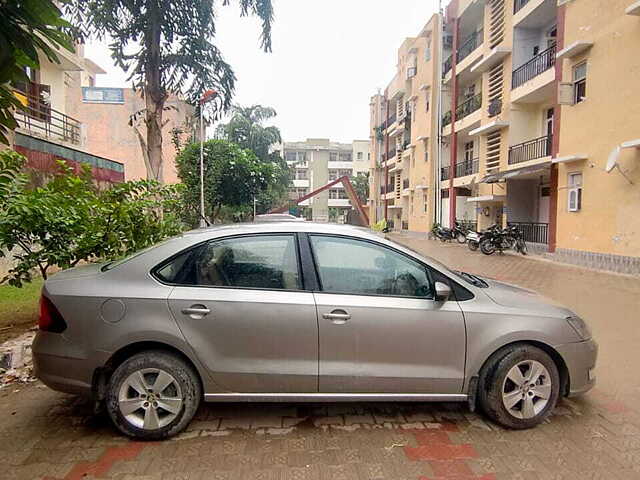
(445, 173)
(405, 183)
(446, 66)
(534, 67)
(467, 167)
(533, 232)
(39, 118)
(446, 119)
(518, 4)
(472, 42)
(530, 150)
(392, 154)
(469, 106)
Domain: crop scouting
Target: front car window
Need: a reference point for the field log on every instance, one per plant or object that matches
(358, 267)
(259, 261)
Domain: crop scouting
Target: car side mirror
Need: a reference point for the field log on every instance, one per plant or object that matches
(443, 291)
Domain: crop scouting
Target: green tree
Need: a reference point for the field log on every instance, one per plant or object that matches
(68, 220)
(233, 176)
(246, 128)
(28, 29)
(166, 46)
(361, 186)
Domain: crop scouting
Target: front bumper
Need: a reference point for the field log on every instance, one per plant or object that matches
(580, 359)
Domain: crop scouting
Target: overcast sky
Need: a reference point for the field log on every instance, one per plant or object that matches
(328, 58)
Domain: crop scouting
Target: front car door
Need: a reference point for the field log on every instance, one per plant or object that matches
(240, 303)
(380, 329)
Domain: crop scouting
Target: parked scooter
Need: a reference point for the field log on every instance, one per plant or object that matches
(501, 240)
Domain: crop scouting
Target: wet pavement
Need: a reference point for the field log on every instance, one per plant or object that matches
(49, 435)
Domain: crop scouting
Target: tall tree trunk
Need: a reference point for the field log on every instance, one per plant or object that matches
(154, 94)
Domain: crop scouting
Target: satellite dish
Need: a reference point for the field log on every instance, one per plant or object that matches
(612, 161)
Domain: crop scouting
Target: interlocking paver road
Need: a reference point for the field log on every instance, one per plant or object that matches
(48, 435)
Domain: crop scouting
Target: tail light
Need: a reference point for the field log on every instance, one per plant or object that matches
(50, 319)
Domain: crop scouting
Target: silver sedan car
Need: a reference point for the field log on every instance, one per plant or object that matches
(299, 311)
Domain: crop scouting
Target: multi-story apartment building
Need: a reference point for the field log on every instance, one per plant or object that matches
(404, 137)
(318, 161)
(597, 165)
(46, 131)
(107, 113)
(539, 127)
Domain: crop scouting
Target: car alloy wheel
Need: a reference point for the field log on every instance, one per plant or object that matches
(150, 398)
(526, 389)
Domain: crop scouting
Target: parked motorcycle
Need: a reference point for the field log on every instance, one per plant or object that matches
(474, 238)
(445, 234)
(501, 240)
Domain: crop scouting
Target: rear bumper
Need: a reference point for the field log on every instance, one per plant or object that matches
(580, 358)
(60, 366)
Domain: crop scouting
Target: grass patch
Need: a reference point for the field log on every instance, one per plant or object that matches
(18, 308)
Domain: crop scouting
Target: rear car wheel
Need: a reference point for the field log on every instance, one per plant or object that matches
(153, 395)
(519, 386)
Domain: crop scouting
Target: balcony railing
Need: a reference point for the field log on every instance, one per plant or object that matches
(533, 232)
(392, 154)
(467, 167)
(472, 42)
(534, 67)
(446, 119)
(38, 117)
(446, 66)
(405, 183)
(445, 173)
(530, 150)
(518, 4)
(469, 106)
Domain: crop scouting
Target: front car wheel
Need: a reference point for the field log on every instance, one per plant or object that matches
(519, 386)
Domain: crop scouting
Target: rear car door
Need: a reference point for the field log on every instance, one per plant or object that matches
(239, 302)
(380, 329)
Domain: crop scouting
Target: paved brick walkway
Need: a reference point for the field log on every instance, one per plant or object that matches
(48, 435)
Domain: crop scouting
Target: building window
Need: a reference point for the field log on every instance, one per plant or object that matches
(424, 202)
(345, 157)
(290, 156)
(301, 174)
(411, 203)
(360, 155)
(575, 192)
(333, 156)
(337, 194)
(580, 82)
(368, 156)
(427, 51)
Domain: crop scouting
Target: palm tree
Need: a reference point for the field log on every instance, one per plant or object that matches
(246, 128)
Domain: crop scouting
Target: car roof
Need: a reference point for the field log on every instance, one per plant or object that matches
(284, 226)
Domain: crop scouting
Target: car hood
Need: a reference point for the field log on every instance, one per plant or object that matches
(523, 299)
(87, 270)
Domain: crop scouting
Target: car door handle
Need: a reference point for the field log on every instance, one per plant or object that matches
(339, 317)
(196, 310)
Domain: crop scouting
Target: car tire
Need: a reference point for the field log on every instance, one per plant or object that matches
(519, 406)
(159, 412)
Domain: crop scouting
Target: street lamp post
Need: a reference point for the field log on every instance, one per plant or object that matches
(207, 97)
